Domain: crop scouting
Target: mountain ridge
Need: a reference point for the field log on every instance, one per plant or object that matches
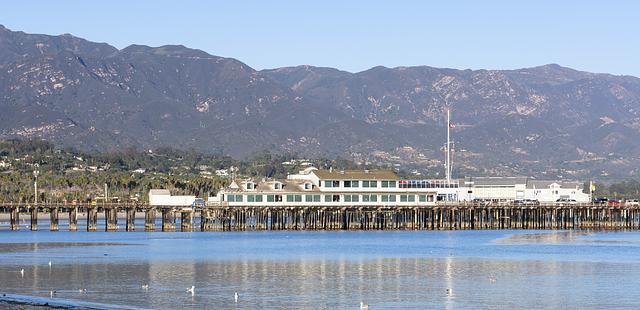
(541, 120)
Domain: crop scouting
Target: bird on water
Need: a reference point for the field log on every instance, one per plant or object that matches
(52, 293)
(364, 306)
(145, 286)
(49, 264)
(22, 272)
(191, 290)
(235, 297)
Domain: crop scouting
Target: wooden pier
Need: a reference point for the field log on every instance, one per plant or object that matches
(225, 218)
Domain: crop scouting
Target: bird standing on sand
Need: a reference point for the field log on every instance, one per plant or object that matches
(192, 290)
(235, 296)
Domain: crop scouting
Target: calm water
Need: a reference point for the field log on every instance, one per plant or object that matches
(328, 270)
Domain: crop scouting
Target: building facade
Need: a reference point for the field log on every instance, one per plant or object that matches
(313, 187)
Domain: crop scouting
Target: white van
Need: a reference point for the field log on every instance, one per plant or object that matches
(632, 202)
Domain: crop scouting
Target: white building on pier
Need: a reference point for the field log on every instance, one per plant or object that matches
(313, 187)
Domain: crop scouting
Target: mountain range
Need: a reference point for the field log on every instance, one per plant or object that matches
(547, 121)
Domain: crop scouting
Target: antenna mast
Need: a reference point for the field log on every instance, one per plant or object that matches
(448, 160)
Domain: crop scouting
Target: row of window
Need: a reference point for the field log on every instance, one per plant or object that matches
(330, 198)
(358, 183)
(426, 184)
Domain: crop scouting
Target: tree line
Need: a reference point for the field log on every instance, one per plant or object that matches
(67, 174)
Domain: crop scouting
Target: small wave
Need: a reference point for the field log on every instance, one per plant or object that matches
(551, 237)
(55, 303)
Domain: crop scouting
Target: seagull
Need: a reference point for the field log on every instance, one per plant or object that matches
(192, 290)
(449, 292)
(82, 291)
(235, 296)
(145, 286)
(22, 272)
(492, 280)
(49, 264)
(364, 306)
(52, 293)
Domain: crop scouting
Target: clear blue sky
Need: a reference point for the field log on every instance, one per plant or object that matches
(598, 36)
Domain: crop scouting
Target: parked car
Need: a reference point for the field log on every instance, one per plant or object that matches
(632, 202)
(601, 201)
(526, 202)
(566, 201)
(613, 202)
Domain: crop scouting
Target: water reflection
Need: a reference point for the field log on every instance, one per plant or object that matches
(382, 283)
(321, 270)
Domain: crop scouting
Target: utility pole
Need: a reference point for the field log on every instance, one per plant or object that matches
(35, 185)
(105, 192)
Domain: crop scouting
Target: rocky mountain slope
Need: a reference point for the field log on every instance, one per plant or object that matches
(546, 120)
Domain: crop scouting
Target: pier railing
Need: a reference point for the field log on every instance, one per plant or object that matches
(226, 218)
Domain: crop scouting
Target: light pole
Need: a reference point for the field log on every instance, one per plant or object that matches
(35, 184)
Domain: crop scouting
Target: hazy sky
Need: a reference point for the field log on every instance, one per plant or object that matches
(598, 36)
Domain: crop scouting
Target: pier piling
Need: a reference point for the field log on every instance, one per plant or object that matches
(92, 219)
(168, 219)
(34, 218)
(15, 218)
(111, 219)
(131, 219)
(53, 218)
(150, 219)
(73, 218)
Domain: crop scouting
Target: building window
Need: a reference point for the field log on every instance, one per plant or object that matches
(328, 184)
(336, 198)
(258, 198)
(328, 198)
(307, 185)
(351, 198)
(389, 184)
(251, 185)
(422, 198)
(388, 198)
(277, 186)
(251, 198)
(312, 198)
(278, 198)
(355, 184)
(407, 198)
(294, 198)
(347, 183)
(238, 198)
